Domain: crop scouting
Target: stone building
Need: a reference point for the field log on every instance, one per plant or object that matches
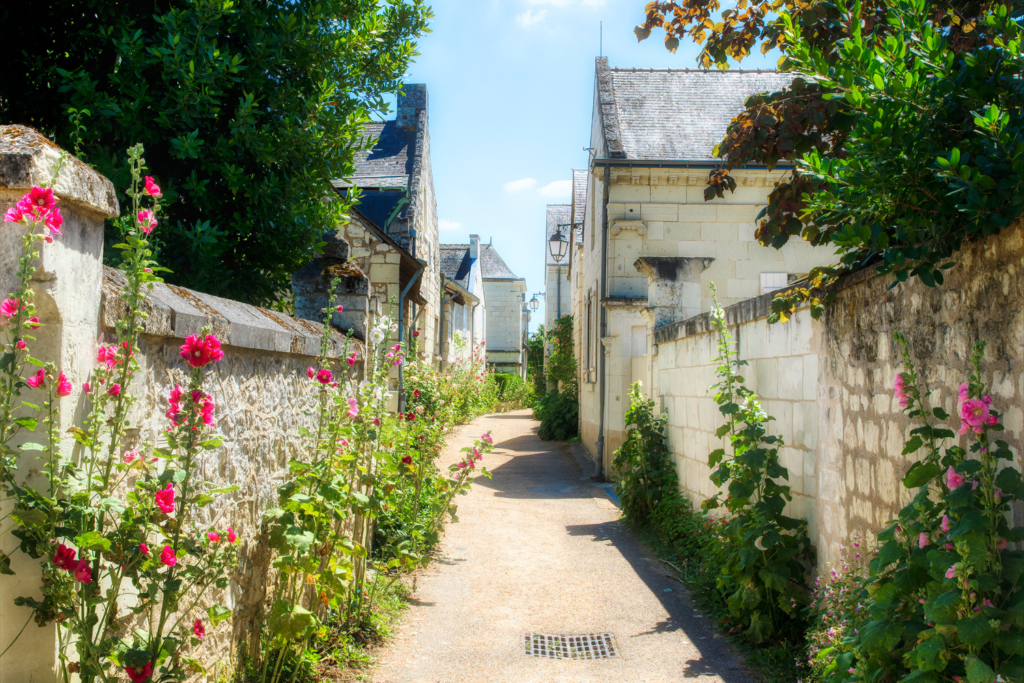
(557, 297)
(464, 314)
(396, 189)
(651, 246)
(501, 318)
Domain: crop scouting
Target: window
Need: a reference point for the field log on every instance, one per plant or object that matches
(771, 282)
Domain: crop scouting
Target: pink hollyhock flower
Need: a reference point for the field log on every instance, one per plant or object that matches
(64, 557)
(114, 390)
(199, 351)
(54, 220)
(987, 400)
(20, 345)
(86, 389)
(152, 189)
(107, 355)
(415, 333)
(922, 540)
(1001, 544)
(340, 309)
(998, 493)
(231, 535)
(199, 629)
(144, 549)
(461, 464)
(63, 386)
(165, 499)
(376, 422)
(168, 557)
(953, 480)
(33, 323)
(175, 396)
(138, 674)
(14, 215)
(213, 536)
(476, 454)
(83, 572)
(207, 412)
(945, 523)
(324, 376)
(131, 456)
(974, 412)
(146, 221)
(353, 407)
(9, 308)
(352, 359)
(487, 437)
(951, 572)
(964, 392)
(310, 372)
(37, 379)
(988, 603)
(407, 459)
(416, 393)
(37, 202)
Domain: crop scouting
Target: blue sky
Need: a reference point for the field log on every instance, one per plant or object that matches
(510, 86)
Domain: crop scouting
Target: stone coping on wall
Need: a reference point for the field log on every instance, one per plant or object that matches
(178, 312)
(747, 310)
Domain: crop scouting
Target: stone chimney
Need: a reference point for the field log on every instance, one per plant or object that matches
(311, 287)
(474, 246)
(410, 104)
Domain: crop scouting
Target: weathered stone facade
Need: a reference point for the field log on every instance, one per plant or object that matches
(828, 383)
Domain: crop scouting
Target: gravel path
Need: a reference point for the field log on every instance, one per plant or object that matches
(539, 549)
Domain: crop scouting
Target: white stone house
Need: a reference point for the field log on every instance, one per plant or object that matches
(557, 295)
(650, 245)
(465, 307)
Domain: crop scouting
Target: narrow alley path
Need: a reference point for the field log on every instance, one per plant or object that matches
(538, 549)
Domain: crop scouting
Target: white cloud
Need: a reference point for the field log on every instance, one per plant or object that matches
(519, 185)
(445, 224)
(528, 18)
(559, 188)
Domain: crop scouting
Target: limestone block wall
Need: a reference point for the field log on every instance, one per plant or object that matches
(828, 383)
(504, 314)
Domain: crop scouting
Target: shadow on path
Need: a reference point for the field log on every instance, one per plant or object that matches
(683, 616)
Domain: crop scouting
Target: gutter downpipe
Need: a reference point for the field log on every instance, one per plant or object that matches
(401, 336)
(604, 294)
(558, 277)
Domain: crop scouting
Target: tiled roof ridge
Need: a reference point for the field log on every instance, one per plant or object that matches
(634, 69)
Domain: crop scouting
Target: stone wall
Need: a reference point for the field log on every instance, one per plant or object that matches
(260, 387)
(504, 323)
(828, 383)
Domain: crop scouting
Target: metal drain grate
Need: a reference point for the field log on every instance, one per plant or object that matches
(590, 646)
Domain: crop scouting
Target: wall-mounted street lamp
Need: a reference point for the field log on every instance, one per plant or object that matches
(558, 245)
(534, 304)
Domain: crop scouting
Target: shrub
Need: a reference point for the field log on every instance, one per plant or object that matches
(762, 577)
(558, 413)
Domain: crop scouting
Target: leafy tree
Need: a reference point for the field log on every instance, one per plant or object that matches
(248, 108)
(535, 360)
(904, 121)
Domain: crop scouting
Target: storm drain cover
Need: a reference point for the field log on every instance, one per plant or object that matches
(590, 646)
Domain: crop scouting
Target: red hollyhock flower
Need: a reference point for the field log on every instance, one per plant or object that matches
(199, 351)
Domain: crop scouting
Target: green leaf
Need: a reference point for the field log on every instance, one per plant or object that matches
(881, 636)
(929, 654)
(30, 518)
(979, 672)
(92, 540)
(974, 632)
(32, 446)
(29, 423)
(760, 628)
(920, 473)
(217, 614)
(290, 622)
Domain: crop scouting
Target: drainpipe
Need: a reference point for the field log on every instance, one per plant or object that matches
(604, 295)
(558, 277)
(401, 337)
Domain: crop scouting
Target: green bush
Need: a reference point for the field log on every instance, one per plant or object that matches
(558, 413)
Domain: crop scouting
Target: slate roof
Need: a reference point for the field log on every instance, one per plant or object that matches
(389, 163)
(579, 200)
(455, 263)
(662, 114)
(558, 214)
(492, 266)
